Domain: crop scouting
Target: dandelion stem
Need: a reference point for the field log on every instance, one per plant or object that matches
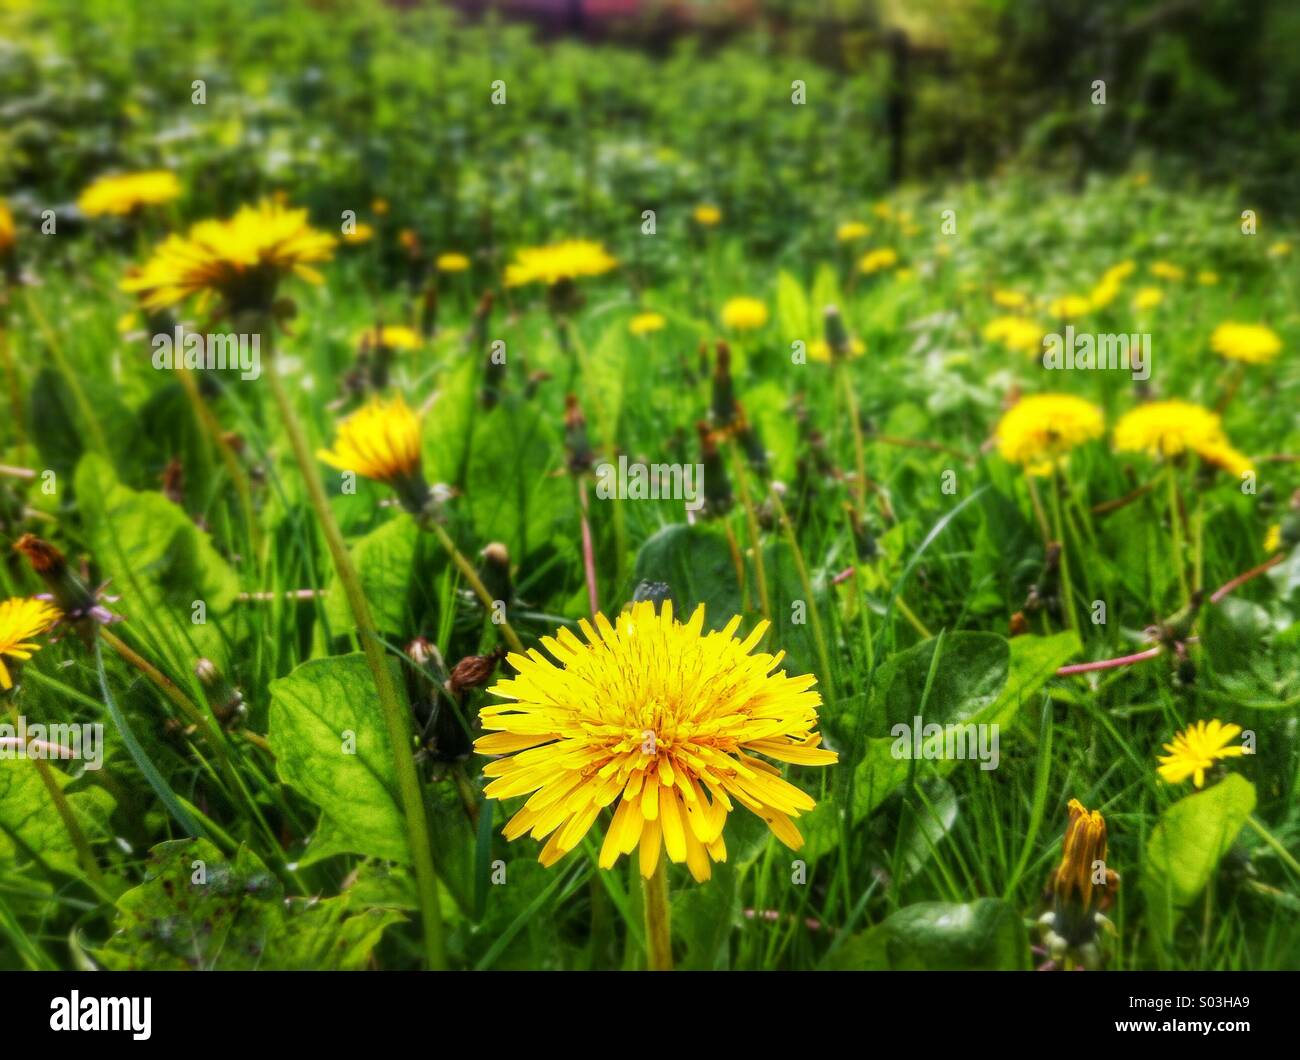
(588, 552)
(658, 927)
(1067, 588)
(755, 543)
(1176, 535)
(1242, 579)
(467, 570)
(823, 656)
(396, 715)
(1273, 844)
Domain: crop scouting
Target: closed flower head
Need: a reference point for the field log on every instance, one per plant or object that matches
(660, 721)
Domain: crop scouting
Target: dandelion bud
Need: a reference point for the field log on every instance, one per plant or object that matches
(717, 487)
(837, 337)
(473, 671)
(494, 571)
(575, 436)
(724, 390)
(226, 701)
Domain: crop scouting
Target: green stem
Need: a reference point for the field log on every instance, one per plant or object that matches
(1176, 534)
(467, 571)
(1067, 588)
(396, 716)
(1273, 843)
(658, 929)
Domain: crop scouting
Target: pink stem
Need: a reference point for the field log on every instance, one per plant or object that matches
(1108, 664)
(43, 746)
(588, 552)
(1242, 579)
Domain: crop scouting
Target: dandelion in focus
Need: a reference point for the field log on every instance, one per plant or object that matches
(1196, 749)
(21, 619)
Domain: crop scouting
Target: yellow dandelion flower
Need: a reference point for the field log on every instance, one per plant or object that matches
(8, 234)
(21, 619)
(645, 323)
(1038, 431)
(392, 337)
(1167, 428)
(121, 195)
(744, 314)
(707, 215)
(379, 207)
(240, 259)
(1008, 299)
(1222, 455)
(1273, 539)
(1196, 749)
(380, 441)
(360, 233)
(880, 258)
(451, 261)
(1166, 270)
(1207, 278)
(1148, 298)
(820, 350)
(1103, 294)
(1119, 271)
(1280, 249)
(659, 720)
(1018, 334)
(1248, 343)
(1069, 306)
(883, 210)
(851, 231)
(571, 259)
(128, 322)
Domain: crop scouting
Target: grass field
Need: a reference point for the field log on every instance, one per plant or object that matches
(286, 598)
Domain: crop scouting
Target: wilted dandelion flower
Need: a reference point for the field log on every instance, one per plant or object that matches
(880, 258)
(1167, 428)
(381, 441)
(707, 215)
(240, 259)
(1249, 343)
(851, 231)
(451, 261)
(1082, 886)
(1019, 334)
(1196, 749)
(659, 720)
(1069, 306)
(121, 195)
(569, 260)
(392, 337)
(1166, 270)
(1038, 431)
(21, 619)
(744, 314)
(645, 323)
(1148, 298)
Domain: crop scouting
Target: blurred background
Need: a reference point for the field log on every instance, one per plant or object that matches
(616, 105)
